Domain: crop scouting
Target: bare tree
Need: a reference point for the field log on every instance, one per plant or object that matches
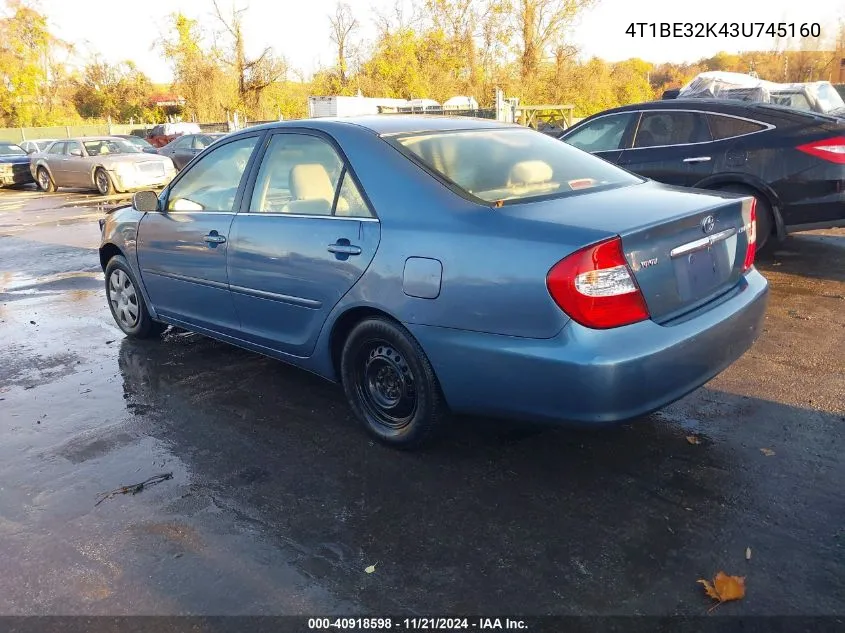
(343, 25)
(253, 75)
(541, 24)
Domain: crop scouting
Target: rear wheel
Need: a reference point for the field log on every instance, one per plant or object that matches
(391, 385)
(126, 301)
(766, 235)
(45, 181)
(104, 182)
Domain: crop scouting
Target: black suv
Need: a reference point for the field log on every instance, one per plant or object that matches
(792, 161)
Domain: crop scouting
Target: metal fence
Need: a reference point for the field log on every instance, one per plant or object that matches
(480, 113)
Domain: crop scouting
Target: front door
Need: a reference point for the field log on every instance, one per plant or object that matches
(182, 250)
(671, 147)
(77, 168)
(305, 238)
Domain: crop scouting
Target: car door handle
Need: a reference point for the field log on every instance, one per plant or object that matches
(344, 248)
(697, 159)
(214, 238)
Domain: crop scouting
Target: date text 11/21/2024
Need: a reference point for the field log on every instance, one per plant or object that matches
(723, 29)
(422, 623)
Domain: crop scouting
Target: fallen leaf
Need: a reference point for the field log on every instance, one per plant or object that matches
(747, 553)
(370, 569)
(693, 439)
(724, 588)
(767, 452)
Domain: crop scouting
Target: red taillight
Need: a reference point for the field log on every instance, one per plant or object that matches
(596, 288)
(751, 237)
(830, 149)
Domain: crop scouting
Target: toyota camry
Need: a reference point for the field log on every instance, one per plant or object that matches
(436, 265)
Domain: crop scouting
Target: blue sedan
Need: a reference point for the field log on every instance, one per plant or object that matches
(435, 265)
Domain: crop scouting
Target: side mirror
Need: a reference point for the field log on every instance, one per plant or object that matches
(76, 152)
(145, 201)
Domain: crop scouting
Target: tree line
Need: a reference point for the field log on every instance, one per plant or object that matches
(437, 49)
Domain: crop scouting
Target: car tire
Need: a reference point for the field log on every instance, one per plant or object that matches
(126, 302)
(766, 234)
(103, 182)
(390, 384)
(45, 180)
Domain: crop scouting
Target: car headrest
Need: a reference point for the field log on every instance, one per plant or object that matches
(311, 181)
(530, 172)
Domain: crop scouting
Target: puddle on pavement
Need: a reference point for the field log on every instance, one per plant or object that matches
(15, 285)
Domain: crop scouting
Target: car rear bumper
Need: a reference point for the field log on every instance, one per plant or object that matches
(594, 376)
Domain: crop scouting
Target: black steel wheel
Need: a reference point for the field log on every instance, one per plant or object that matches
(391, 385)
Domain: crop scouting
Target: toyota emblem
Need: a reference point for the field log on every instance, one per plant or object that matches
(708, 224)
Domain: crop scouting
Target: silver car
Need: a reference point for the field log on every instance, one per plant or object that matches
(107, 164)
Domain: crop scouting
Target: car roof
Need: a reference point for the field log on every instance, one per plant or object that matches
(724, 106)
(389, 124)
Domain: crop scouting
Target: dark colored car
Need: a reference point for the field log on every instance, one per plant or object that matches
(142, 144)
(14, 165)
(184, 148)
(791, 161)
(435, 264)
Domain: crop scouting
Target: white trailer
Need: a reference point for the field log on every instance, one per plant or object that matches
(337, 106)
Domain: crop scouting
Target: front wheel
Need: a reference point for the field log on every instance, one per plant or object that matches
(391, 385)
(45, 181)
(103, 181)
(126, 301)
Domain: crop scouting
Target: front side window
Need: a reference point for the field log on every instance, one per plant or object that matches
(601, 135)
(511, 164)
(212, 183)
(671, 128)
(72, 145)
(183, 142)
(300, 174)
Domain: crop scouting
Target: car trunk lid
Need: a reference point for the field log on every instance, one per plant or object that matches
(684, 247)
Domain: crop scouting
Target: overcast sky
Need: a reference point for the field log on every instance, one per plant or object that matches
(298, 29)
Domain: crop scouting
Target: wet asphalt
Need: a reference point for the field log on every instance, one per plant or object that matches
(278, 502)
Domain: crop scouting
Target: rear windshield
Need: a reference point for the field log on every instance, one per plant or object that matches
(511, 164)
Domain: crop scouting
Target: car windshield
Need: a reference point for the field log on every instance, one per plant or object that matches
(512, 164)
(137, 142)
(102, 146)
(11, 148)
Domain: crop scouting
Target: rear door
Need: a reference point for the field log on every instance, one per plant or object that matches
(673, 147)
(182, 250)
(604, 136)
(302, 240)
(56, 162)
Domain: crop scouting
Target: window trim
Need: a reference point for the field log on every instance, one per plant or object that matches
(164, 197)
(346, 167)
(767, 127)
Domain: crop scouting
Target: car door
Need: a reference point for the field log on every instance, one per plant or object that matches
(671, 146)
(55, 160)
(179, 151)
(302, 240)
(77, 167)
(182, 250)
(605, 136)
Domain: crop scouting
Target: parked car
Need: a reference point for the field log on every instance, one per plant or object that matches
(161, 135)
(791, 161)
(14, 165)
(107, 164)
(142, 144)
(434, 264)
(39, 145)
(185, 147)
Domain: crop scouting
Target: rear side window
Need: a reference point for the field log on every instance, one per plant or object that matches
(499, 165)
(671, 128)
(601, 135)
(57, 148)
(727, 127)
